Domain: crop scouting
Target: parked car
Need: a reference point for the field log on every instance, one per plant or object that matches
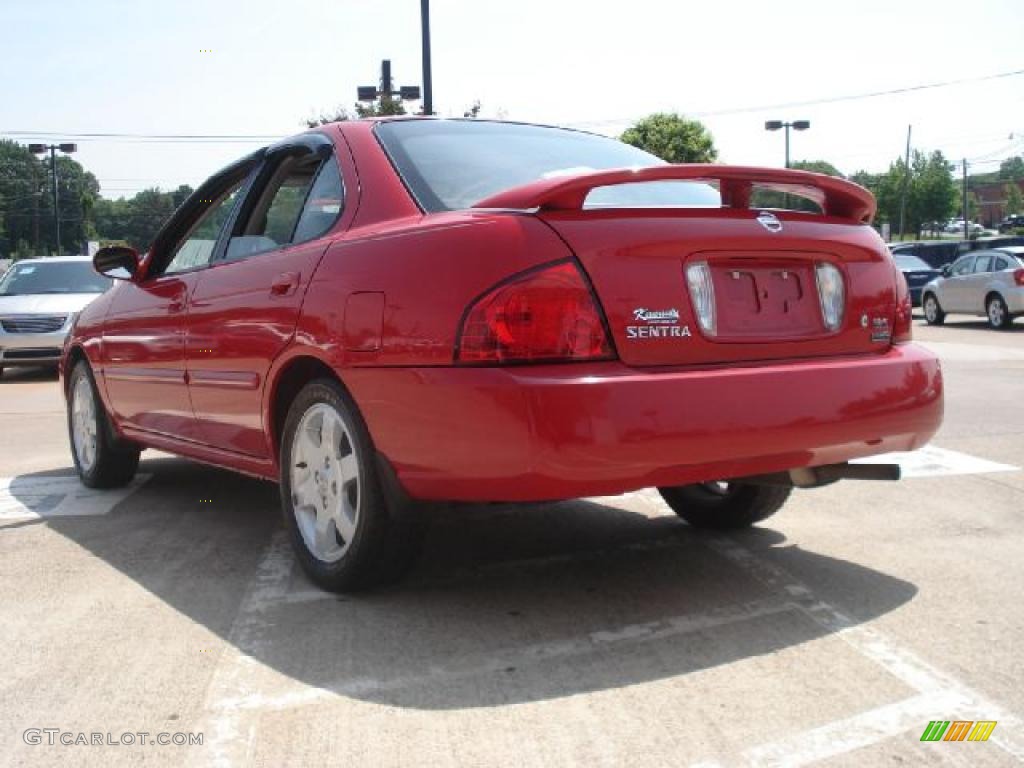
(39, 300)
(935, 253)
(986, 283)
(1010, 223)
(378, 313)
(916, 273)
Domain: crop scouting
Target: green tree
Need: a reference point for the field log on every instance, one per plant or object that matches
(136, 220)
(23, 180)
(673, 138)
(931, 191)
(1014, 199)
(1012, 168)
(817, 166)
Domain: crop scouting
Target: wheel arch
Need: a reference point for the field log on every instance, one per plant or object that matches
(285, 382)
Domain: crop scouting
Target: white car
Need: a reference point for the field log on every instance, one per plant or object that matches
(39, 300)
(988, 283)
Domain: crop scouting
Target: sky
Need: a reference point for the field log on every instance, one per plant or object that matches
(260, 67)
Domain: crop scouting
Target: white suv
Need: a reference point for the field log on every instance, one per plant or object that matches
(988, 283)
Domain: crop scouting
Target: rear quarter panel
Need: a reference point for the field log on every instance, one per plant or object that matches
(427, 270)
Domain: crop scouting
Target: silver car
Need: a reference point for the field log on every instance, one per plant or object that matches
(986, 283)
(39, 300)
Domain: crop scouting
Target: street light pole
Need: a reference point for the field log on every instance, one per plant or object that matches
(56, 207)
(39, 149)
(428, 80)
(797, 125)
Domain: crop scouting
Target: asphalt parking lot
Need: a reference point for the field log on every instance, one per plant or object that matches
(594, 632)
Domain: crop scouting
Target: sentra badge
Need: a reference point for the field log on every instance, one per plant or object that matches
(658, 324)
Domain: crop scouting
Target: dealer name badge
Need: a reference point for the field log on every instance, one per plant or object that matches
(657, 324)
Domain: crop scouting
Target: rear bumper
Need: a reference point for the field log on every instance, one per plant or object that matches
(1014, 300)
(546, 432)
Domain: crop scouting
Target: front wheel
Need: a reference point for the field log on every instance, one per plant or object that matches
(933, 314)
(348, 532)
(101, 459)
(725, 505)
(998, 313)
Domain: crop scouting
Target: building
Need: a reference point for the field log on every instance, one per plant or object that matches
(992, 200)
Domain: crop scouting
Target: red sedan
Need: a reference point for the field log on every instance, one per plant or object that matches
(377, 313)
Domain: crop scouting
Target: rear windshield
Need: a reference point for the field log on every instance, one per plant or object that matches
(452, 164)
(906, 261)
(54, 277)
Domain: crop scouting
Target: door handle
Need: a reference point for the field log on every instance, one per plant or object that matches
(284, 284)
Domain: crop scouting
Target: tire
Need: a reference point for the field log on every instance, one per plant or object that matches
(349, 530)
(933, 314)
(725, 506)
(101, 459)
(998, 313)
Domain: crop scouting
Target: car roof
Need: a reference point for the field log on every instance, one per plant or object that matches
(1016, 250)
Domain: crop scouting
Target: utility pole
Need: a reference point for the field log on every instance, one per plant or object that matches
(964, 207)
(906, 186)
(428, 80)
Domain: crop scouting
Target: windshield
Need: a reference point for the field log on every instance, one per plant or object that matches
(53, 277)
(907, 262)
(452, 164)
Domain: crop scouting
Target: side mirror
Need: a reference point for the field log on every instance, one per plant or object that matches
(947, 270)
(117, 261)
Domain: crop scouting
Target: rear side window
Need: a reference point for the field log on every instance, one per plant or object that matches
(1000, 265)
(453, 164)
(300, 201)
(983, 264)
(323, 204)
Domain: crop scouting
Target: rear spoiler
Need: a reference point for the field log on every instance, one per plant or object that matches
(836, 197)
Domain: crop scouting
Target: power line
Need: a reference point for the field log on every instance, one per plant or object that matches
(830, 99)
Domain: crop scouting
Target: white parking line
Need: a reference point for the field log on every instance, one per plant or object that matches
(31, 497)
(247, 636)
(496, 660)
(934, 686)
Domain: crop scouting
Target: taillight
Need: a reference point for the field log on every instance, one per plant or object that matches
(702, 294)
(831, 294)
(903, 327)
(1018, 276)
(545, 315)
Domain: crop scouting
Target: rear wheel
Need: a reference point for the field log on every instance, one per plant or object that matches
(998, 313)
(933, 314)
(348, 532)
(102, 460)
(724, 505)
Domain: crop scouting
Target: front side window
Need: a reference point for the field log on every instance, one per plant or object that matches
(963, 266)
(453, 164)
(197, 247)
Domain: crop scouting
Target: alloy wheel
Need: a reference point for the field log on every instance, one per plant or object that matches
(83, 423)
(996, 315)
(325, 482)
